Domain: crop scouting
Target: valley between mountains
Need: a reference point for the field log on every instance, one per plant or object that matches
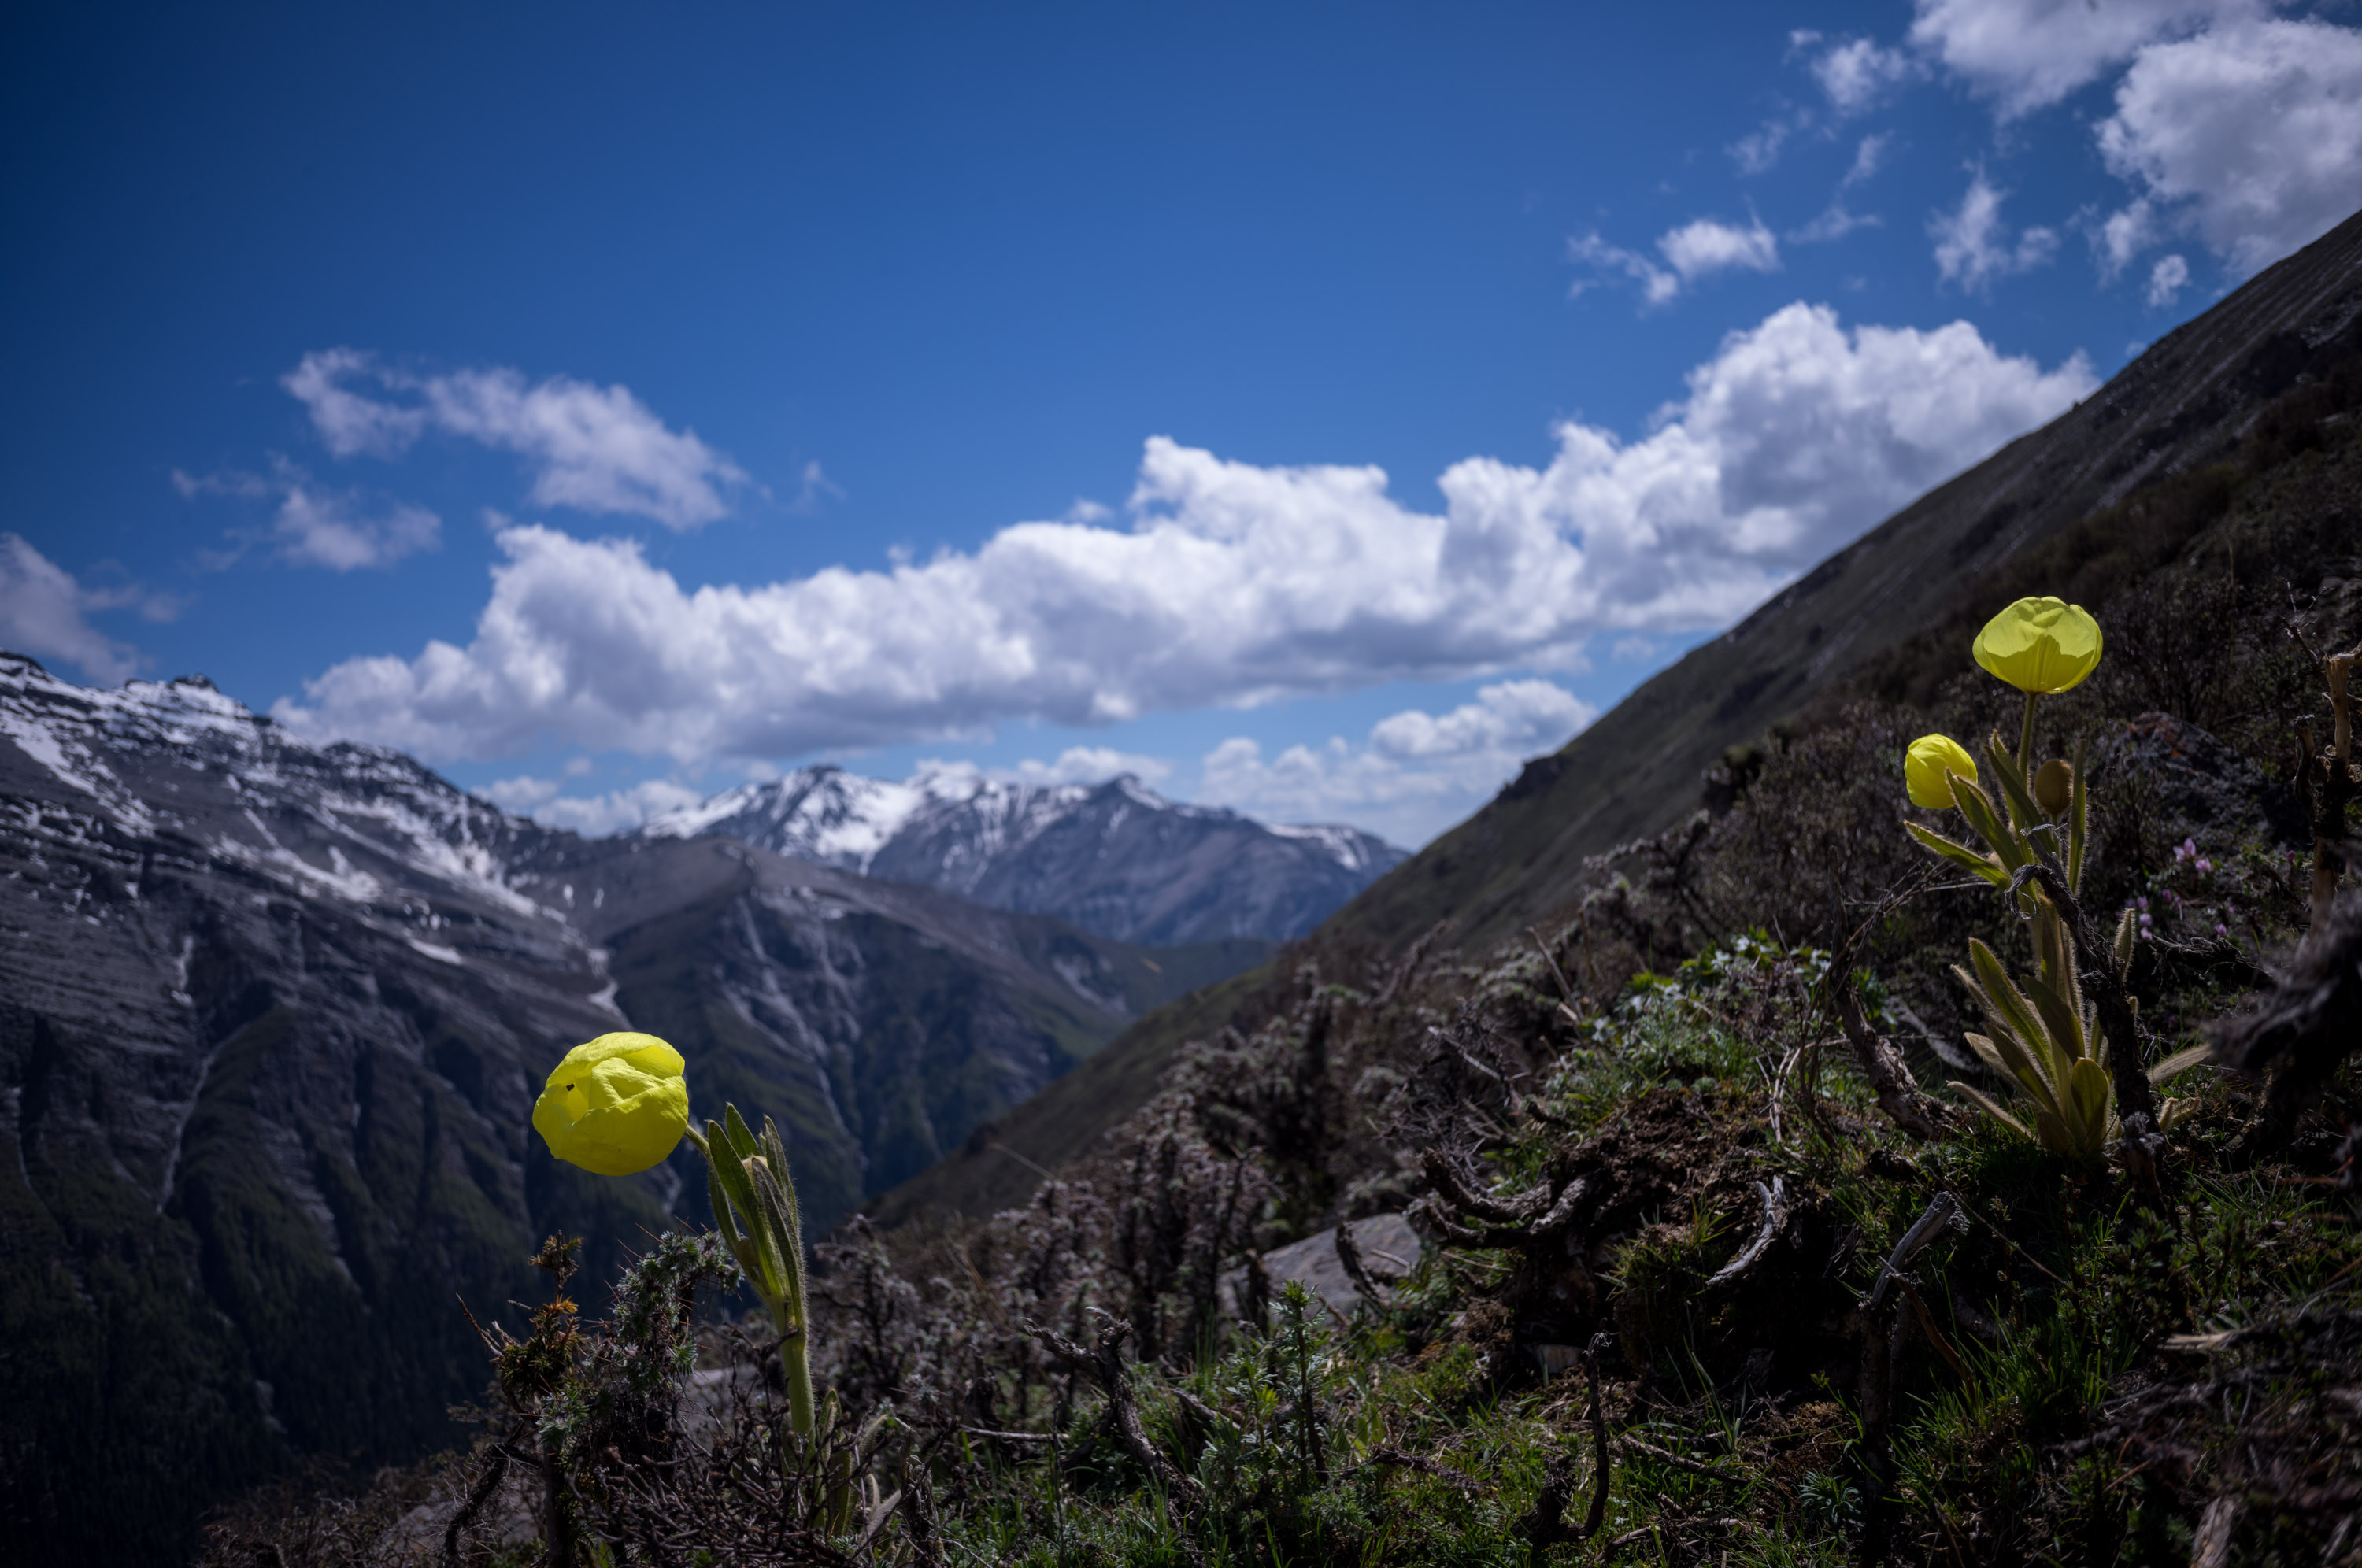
(273, 1017)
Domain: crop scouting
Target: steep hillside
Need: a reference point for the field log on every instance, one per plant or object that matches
(272, 1018)
(1115, 858)
(1638, 769)
(1923, 577)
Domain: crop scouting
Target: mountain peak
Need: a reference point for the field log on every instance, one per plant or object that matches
(1115, 856)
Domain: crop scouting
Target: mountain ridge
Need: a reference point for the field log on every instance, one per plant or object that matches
(272, 1018)
(1114, 857)
(1640, 768)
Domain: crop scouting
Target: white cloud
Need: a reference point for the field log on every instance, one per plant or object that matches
(1758, 150)
(2253, 129)
(1857, 74)
(1657, 285)
(2166, 280)
(1087, 765)
(1233, 584)
(314, 526)
(45, 613)
(592, 816)
(1416, 774)
(2028, 54)
(592, 449)
(1835, 223)
(1696, 249)
(1869, 158)
(816, 485)
(1972, 244)
(2121, 236)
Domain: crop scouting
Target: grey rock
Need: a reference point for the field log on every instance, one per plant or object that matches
(1389, 1249)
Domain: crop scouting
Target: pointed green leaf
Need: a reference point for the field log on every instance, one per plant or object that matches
(1960, 853)
(1995, 1111)
(1981, 816)
(2064, 1030)
(741, 1141)
(2011, 1008)
(2022, 812)
(2127, 939)
(1988, 1054)
(2090, 1101)
(2180, 1062)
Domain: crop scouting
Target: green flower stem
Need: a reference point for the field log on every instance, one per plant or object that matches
(2026, 736)
(755, 1210)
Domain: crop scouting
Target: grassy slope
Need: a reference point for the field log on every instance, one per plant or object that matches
(1637, 770)
(1001, 1169)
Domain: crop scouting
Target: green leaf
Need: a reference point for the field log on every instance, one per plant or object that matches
(1995, 1111)
(2091, 1104)
(2013, 1008)
(2065, 1031)
(1981, 816)
(1960, 853)
(2023, 814)
(2180, 1062)
(741, 1141)
(1988, 1054)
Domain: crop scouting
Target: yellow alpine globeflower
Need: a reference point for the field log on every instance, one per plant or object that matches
(616, 1106)
(1928, 767)
(2042, 647)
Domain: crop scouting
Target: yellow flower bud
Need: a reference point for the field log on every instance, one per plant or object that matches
(2042, 646)
(2054, 786)
(1928, 767)
(616, 1106)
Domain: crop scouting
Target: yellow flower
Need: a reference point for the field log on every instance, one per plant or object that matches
(2042, 646)
(1928, 767)
(616, 1106)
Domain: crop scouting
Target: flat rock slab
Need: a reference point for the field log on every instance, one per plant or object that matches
(1389, 1247)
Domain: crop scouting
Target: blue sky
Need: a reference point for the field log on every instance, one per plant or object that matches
(1318, 409)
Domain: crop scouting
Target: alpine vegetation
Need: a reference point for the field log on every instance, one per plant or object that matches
(1728, 1216)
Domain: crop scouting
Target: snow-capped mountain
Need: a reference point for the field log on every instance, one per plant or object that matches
(272, 1018)
(1116, 858)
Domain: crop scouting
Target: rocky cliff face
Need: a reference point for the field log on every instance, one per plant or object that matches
(1115, 858)
(272, 1020)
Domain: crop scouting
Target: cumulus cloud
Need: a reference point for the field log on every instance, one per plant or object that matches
(595, 450)
(2166, 280)
(1231, 583)
(1694, 250)
(1855, 73)
(2253, 131)
(1087, 764)
(1415, 774)
(592, 816)
(45, 613)
(316, 526)
(2028, 54)
(1974, 245)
